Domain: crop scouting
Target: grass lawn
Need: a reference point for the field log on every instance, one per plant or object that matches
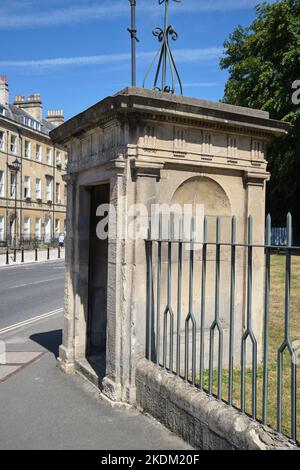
(276, 337)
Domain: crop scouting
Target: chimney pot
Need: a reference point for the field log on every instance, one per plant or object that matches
(33, 105)
(55, 117)
(4, 91)
(19, 99)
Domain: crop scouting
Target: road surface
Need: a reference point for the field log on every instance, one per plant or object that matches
(27, 291)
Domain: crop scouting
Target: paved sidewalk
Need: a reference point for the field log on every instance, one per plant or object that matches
(29, 256)
(42, 408)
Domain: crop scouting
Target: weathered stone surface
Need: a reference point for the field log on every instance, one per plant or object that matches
(208, 424)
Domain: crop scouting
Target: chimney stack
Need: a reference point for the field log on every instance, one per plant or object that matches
(19, 100)
(4, 91)
(55, 117)
(33, 105)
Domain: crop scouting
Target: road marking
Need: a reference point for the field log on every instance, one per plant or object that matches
(36, 282)
(16, 326)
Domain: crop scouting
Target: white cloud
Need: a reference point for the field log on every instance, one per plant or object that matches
(202, 85)
(199, 54)
(181, 56)
(47, 15)
(67, 61)
(20, 14)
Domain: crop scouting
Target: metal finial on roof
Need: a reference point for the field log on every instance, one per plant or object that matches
(165, 55)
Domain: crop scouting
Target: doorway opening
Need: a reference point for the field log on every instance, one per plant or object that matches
(97, 285)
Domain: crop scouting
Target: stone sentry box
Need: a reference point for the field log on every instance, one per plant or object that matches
(146, 147)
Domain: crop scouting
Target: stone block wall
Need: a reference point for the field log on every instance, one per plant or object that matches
(201, 420)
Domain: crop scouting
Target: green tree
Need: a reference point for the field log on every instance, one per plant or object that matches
(263, 60)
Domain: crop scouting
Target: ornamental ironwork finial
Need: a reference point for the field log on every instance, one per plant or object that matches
(165, 55)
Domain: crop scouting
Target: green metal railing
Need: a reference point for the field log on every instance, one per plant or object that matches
(172, 329)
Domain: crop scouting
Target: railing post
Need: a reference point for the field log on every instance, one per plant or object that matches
(190, 317)
(203, 302)
(268, 243)
(36, 254)
(168, 313)
(216, 323)
(7, 256)
(158, 307)
(58, 253)
(22, 255)
(48, 253)
(232, 309)
(179, 296)
(15, 255)
(249, 330)
(149, 292)
(287, 344)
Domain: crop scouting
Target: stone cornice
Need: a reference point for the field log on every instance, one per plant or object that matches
(147, 168)
(145, 104)
(217, 125)
(255, 179)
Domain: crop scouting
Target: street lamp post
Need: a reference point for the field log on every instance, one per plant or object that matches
(15, 167)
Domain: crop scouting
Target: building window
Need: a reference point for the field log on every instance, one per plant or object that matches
(57, 228)
(57, 193)
(26, 228)
(38, 152)
(2, 111)
(27, 121)
(49, 156)
(2, 189)
(13, 144)
(2, 143)
(58, 157)
(48, 230)
(65, 194)
(36, 125)
(38, 188)
(38, 228)
(13, 181)
(1, 228)
(27, 149)
(27, 192)
(31, 123)
(49, 189)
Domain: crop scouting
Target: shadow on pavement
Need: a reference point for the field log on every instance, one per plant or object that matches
(50, 340)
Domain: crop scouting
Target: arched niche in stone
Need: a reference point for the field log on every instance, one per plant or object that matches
(202, 191)
(206, 193)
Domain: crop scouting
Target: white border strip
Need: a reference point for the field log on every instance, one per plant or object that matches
(31, 321)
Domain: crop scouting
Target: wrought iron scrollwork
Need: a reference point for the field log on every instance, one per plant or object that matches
(164, 55)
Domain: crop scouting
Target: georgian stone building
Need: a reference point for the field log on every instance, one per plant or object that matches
(32, 199)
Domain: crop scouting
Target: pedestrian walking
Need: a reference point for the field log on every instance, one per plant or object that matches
(61, 240)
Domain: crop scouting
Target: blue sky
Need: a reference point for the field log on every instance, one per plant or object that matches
(76, 52)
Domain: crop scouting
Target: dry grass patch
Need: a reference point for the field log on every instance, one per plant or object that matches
(276, 338)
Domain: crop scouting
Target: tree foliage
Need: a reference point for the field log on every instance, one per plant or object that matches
(263, 60)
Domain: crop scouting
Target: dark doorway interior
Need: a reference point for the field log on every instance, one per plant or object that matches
(97, 305)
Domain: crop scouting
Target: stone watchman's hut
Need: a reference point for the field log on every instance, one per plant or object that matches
(147, 147)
